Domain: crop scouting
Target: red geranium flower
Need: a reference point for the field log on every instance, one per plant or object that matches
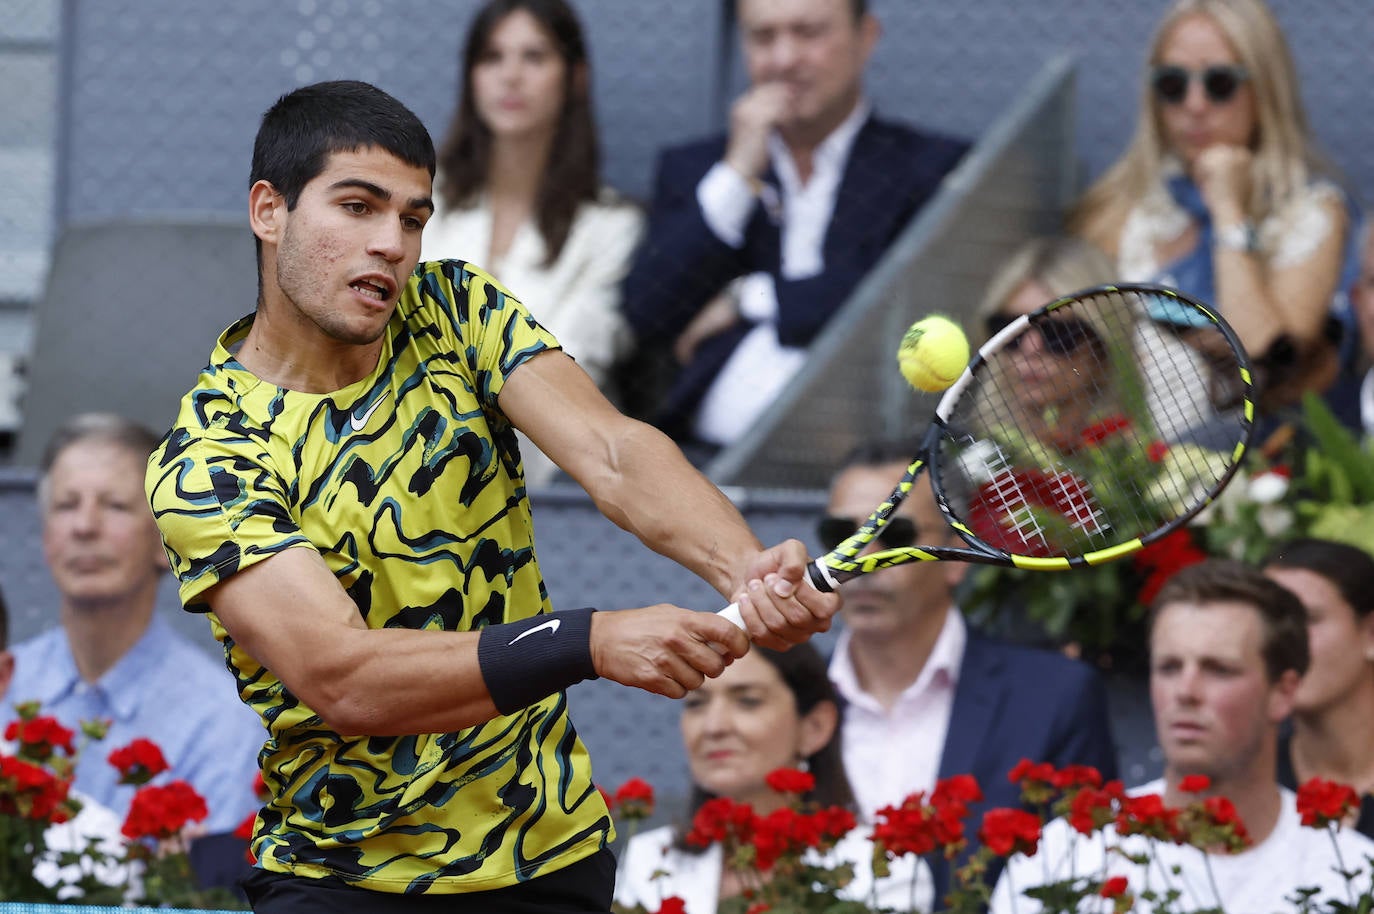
(790, 780)
(635, 798)
(1114, 887)
(672, 905)
(1002, 510)
(1164, 558)
(1195, 783)
(139, 762)
(39, 737)
(1008, 831)
(1091, 809)
(162, 812)
(1147, 815)
(1099, 432)
(1071, 776)
(1321, 802)
(905, 829)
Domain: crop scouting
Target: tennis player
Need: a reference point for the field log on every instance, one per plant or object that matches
(342, 494)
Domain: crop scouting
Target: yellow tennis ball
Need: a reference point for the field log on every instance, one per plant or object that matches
(934, 352)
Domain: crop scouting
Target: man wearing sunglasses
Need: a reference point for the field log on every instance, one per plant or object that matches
(926, 696)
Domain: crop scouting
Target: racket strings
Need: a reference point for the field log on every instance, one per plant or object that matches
(1093, 426)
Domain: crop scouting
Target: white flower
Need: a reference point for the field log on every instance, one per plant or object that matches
(1268, 488)
(1274, 520)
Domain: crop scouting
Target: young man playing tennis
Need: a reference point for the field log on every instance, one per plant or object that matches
(342, 493)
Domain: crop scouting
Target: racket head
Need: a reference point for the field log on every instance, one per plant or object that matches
(1083, 431)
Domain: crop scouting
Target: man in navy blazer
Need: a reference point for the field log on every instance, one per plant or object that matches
(926, 697)
(756, 238)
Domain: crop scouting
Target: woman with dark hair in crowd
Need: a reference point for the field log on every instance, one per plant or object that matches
(519, 191)
(768, 710)
(1332, 735)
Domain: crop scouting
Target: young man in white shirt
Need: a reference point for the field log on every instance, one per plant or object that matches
(1227, 649)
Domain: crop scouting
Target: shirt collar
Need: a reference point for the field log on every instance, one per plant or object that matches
(832, 152)
(946, 657)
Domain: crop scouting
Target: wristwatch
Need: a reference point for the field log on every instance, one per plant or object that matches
(1240, 236)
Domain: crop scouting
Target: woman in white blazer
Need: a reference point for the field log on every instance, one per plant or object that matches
(519, 192)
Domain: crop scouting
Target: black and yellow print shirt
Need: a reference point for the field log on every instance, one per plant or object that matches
(408, 484)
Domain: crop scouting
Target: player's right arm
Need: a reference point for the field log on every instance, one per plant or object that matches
(291, 615)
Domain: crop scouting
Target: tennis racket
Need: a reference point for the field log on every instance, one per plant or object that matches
(1078, 434)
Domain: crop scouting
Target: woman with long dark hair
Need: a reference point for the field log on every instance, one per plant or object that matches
(519, 191)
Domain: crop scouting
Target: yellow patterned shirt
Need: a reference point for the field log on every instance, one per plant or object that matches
(408, 484)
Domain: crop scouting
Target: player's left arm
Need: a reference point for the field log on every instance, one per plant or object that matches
(639, 480)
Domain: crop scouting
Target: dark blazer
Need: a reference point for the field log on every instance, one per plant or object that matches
(1015, 702)
(891, 172)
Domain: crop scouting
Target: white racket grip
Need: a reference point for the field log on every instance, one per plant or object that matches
(732, 612)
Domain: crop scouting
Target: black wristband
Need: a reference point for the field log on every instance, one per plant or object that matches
(522, 662)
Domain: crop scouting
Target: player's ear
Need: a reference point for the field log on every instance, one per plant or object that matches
(266, 210)
(1282, 695)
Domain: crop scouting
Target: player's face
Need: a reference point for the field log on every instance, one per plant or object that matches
(1215, 708)
(743, 724)
(518, 82)
(1044, 376)
(343, 255)
(813, 47)
(895, 600)
(1195, 43)
(99, 538)
(1339, 641)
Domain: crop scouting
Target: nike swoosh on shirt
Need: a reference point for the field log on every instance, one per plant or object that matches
(360, 422)
(551, 625)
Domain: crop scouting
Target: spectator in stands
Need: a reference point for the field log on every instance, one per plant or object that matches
(93, 823)
(112, 656)
(1334, 705)
(1228, 647)
(519, 188)
(926, 697)
(768, 710)
(757, 237)
(1222, 196)
(1047, 268)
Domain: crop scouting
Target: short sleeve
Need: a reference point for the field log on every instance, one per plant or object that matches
(495, 333)
(221, 507)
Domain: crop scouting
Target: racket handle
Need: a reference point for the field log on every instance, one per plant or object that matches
(815, 576)
(732, 613)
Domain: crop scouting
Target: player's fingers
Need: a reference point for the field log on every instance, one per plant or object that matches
(766, 626)
(727, 639)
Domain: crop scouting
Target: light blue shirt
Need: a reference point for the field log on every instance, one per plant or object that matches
(164, 689)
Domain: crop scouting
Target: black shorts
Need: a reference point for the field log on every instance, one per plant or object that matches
(585, 887)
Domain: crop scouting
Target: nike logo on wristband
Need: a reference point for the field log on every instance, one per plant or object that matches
(551, 626)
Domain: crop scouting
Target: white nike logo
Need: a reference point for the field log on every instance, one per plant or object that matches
(361, 423)
(551, 625)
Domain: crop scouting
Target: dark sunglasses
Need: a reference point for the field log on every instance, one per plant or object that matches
(1219, 82)
(1060, 335)
(897, 533)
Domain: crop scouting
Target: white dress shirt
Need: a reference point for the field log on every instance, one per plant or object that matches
(760, 367)
(891, 754)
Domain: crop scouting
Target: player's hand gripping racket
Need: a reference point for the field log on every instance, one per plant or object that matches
(1078, 434)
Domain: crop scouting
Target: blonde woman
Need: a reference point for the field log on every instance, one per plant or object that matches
(1221, 194)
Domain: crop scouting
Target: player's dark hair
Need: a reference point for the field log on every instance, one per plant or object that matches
(858, 7)
(803, 671)
(572, 173)
(1283, 618)
(305, 127)
(1349, 568)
